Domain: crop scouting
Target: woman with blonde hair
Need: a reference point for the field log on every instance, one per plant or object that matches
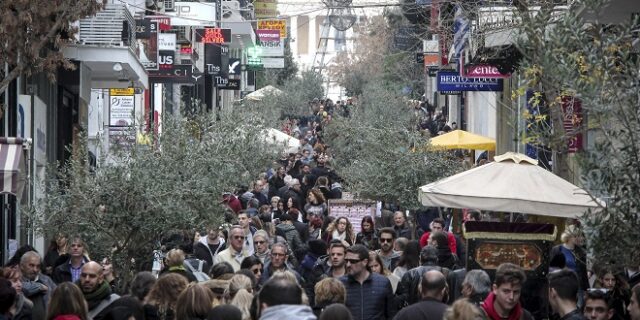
(328, 291)
(240, 294)
(174, 262)
(195, 302)
(342, 230)
(67, 302)
(161, 301)
(462, 309)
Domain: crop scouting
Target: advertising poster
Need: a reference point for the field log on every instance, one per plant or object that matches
(270, 43)
(147, 48)
(274, 24)
(265, 8)
(121, 107)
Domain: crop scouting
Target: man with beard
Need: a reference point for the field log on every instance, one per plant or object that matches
(389, 256)
(36, 286)
(369, 294)
(503, 303)
(96, 291)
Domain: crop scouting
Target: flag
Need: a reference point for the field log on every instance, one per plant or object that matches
(461, 31)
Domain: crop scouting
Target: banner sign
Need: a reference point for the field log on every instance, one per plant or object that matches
(164, 23)
(147, 37)
(234, 66)
(270, 43)
(273, 63)
(213, 35)
(265, 8)
(431, 60)
(121, 111)
(122, 92)
(484, 71)
(274, 24)
(572, 122)
(451, 81)
(192, 14)
(227, 84)
(166, 59)
(176, 74)
(167, 41)
(216, 59)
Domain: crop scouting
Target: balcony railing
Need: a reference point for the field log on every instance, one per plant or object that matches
(113, 26)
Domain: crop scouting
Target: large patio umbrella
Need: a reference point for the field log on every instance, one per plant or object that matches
(281, 139)
(261, 93)
(459, 139)
(513, 183)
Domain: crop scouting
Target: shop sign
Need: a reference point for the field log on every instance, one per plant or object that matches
(274, 24)
(484, 71)
(451, 81)
(213, 35)
(176, 74)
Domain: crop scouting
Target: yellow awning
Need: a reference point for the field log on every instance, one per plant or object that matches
(459, 139)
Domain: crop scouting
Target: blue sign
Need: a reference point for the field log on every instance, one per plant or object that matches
(451, 81)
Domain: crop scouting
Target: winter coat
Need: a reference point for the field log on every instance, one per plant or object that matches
(408, 293)
(426, 309)
(289, 232)
(371, 300)
(203, 252)
(289, 312)
(368, 239)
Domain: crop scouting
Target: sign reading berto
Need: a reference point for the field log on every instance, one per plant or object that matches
(451, 81)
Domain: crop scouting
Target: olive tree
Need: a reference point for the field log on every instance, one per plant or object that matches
(380, 155)
(124, 205)
(576, 54)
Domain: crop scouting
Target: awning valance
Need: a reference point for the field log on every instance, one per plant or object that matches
(12, 165)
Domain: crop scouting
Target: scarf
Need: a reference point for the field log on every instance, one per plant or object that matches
(488, 307)
(177, 268)
(337, 235)
(96, 296)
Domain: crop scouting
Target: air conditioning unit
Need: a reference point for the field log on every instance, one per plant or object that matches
(231, 11)
(169, 5)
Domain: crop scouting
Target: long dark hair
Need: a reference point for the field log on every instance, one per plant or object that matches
(410, 256)
(369, 220)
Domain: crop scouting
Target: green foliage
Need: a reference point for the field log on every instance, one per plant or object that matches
(598, 64)
(137, 194)
(297, 93)
(33, 32)
(380, 155)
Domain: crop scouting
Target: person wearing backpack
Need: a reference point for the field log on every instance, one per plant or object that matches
(174, 263)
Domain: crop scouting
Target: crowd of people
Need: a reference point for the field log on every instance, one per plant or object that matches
(280, 254)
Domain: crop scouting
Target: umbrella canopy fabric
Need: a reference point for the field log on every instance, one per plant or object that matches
(459, 139)
(513, 183)
(279, 138)
(259, 94)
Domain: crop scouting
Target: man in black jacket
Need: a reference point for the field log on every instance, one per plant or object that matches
(208, 247)
(563, 290)
(407, 292)
(433, 292)
(70, 270)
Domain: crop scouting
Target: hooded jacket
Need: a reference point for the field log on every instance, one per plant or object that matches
(288, 311)
(202, 251)
(289, 232)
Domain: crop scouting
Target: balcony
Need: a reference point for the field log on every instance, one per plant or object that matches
(107, 45)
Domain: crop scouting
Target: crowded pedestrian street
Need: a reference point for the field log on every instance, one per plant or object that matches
(319, 160)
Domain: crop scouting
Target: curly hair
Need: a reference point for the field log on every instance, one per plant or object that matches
(165, 291)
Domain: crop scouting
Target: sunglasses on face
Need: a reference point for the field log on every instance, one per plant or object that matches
(352, 261)
(386, 240)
